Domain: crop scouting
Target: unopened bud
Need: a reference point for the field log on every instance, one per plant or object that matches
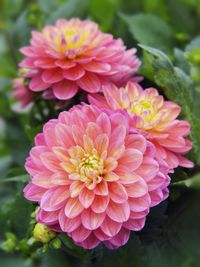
(43, 233)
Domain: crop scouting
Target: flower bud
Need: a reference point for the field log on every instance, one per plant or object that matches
(43, 233)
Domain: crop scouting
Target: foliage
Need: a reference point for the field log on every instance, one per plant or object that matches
(168, 33)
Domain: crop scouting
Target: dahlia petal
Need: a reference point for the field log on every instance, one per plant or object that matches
(132, 158)
(148, 169)
(137, 189)
(90, 83)
(100, 235)
(126, 175)
(65, 90)
(92, 220)
(90, 242)
(100, 204)
(97, 67)
(54, 198)
(47, 217)
(80, 234)
(52, 76)
(117, 192)
(110, 227)
(183, 162)
(135, 224)
(136, 141)
(139, 204)
(45, 63)
(73, 208)
(101, 189)
(33, 192)
(111, 176)
(50, 161)
(37, 84)
(104, 123)
(118, 212)
(120, 239)
(68, 224)
(101, 143)
(64, 64)
(139, 215)
(86, 197)
(74, 73)
(62, 133)
(93, 130)
(156, 197)
(76, 188)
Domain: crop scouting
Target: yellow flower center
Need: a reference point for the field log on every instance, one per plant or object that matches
(73, 40)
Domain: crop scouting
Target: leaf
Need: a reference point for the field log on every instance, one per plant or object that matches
(176, 85)
(192, 182)
(21, 178)
(98, 9)
(150, 30)
(73, 8)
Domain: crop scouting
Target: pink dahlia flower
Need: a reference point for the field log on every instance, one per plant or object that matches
(21, 92)
(93, 179)
(154, 117)
(75, 55)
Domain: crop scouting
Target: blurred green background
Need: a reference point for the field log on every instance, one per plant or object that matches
(171, 237)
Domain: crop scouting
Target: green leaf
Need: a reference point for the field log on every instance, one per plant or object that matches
(176, 85)
(20, 178)
(192, 182)
(73, 8)
(150, 30)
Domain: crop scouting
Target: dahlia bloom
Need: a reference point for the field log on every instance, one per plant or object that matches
(21, 92)
(93, 179)
(75, 55)
(154, 117)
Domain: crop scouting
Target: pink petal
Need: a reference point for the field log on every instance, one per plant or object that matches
(100, 204)
(80, 234)
(50, 161)
(65, 90)
(33, 192)
(91, 242)
(47, 218)
(54, 198)
(74, 73)
(136, 141)
(101, 189)
(75, 189)
(117, 192)
(97, 67)
(118, 212)
(148, 169)
(52, 76)
(86, 197)
(135, 224)
(67, 224)
(90, 83)
(92, 220)
(131, 158)
(104, 123)
(36, 84)
(139, 204)
(137, 189)
(110, 227)
(101, 235)
(64, 63)
(120, 239)
(73, 208)
(101, 143)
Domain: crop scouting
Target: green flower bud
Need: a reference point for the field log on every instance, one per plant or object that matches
(56, 243)
(43, 233)
(10, 243)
